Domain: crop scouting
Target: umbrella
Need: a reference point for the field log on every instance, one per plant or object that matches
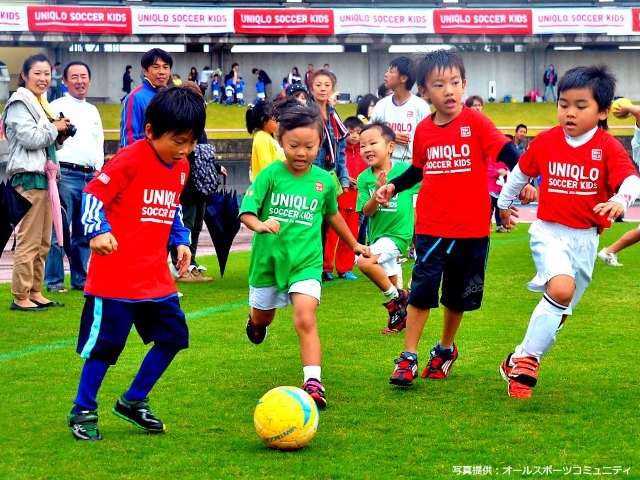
(13, 207)
(52, 172)
(221, 218)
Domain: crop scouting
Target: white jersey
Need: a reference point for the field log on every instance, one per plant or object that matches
(402, 119)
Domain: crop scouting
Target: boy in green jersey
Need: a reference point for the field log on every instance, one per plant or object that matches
(390, 227)
(285, 206)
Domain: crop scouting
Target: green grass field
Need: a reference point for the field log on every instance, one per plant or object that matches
(583, 413)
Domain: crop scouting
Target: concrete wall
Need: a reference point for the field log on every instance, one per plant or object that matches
(515, 74)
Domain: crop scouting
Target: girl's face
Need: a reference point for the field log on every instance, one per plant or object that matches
(370, 109)
(38, 78)
(578, 111)
(270, 126)
(300, 148)
(171, 147)
(301, 97)
(322, 88)
(444, 89)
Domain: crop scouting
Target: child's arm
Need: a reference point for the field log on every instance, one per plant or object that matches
(516, 181)
(371, 207)
(338, 224)
(252, 222)
(180, 237)
(617, 205)
(410, 177)
(96, 227)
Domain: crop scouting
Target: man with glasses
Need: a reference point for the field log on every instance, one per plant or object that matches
(156, 66)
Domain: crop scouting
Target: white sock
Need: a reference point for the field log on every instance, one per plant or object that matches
(544, 325)
(311, 371)
(391, 293)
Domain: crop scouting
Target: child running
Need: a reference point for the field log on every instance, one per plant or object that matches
(131, 213)
(285, 206)
(390, 227)
(581, 167)
(451, 149)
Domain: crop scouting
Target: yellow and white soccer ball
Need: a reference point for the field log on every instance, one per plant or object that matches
(286, 418)
(620, 102)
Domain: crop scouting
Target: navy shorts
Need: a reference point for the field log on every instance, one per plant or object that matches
(459, 263)
(105, 325)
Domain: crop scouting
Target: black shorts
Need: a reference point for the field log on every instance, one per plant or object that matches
(459, 263)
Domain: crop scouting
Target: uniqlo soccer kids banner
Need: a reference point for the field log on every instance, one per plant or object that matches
(182, 21)
(79, 19)
(284, 21)
(583, 20)
(482, 22)
(382, 21)
(13, 19)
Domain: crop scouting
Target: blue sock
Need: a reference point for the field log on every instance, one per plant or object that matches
(443, 349)
(93, 373)
(155, 363)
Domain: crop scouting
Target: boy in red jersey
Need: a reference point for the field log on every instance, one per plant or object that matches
(582, 166)
(130, 213)
(450, 153)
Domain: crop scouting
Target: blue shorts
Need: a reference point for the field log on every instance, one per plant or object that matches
(459, 263)
(105, 325)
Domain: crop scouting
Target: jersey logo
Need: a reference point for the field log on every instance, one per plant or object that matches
(319, 187)
(104, 178)
(465, 131)
(183, 178)
(410, 114)
(596, 154)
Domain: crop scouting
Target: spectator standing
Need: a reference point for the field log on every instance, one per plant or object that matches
(229, 93)
(81, 157)
(156, 65)
(475, 102)
(307, 76)
(193, 75)
(299, 92)
(127, 81)
(33, 134)
(550, 79)
(294, 77)
(265, 79)
(55, 89)
(204, 80)
(520, 138)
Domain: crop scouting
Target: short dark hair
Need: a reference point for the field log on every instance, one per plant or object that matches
(254, 71)
(28, 64)
(150, 57)
(353, 122)
(521, 125)
(176, 110)
(363, 104)
(404, 65)
(257, 115)
(71, 64)
(437, 60)
(292, 114)
(382, 90)
(473, 98)
(385, 130)
(598, 79)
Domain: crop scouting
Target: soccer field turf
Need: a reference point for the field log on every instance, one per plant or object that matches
(582, 417)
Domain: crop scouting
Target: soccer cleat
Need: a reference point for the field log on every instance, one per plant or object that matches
(406, 370)
(139, 414)
(348, 276)
(610, 259)
(397, 308)
(440, 363)
(521, 374)
(314, 388)
(255, 334)
(84, 425)
(501, 229)
(327, 276)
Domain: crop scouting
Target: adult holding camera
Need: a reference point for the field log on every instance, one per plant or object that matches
(81, 157)
(33, 134)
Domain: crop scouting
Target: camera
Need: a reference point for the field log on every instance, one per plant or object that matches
(71, 129)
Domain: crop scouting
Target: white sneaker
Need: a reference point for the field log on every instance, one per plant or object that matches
(609, 258)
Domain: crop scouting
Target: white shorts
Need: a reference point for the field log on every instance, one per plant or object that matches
(388, 255)
(560, 250)
(268, 298)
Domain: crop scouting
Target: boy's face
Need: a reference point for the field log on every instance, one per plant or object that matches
(158, 73)
(578, 111)
(393, 79)
(374, 148)
(300, 147)
(171, 147)
(354, 136)
(444, 89)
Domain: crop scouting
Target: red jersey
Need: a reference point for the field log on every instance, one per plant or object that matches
(575, 179)
(355, 166)
(140, 194)
(453, 201)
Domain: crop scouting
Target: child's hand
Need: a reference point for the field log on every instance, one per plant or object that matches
(528, 194)
(502, 171)
(353, 183)
(184, 258)
(508, 216)
(384, 194)
(271, 225)
(103, 244)
(613, 209)
(363, 250)
(382, 179)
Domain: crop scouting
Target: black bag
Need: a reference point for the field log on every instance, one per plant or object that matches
(205, 176)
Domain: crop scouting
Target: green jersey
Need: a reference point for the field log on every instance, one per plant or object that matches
(396, 220)
(299, 204)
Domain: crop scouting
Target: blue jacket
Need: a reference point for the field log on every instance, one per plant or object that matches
(132, 115)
